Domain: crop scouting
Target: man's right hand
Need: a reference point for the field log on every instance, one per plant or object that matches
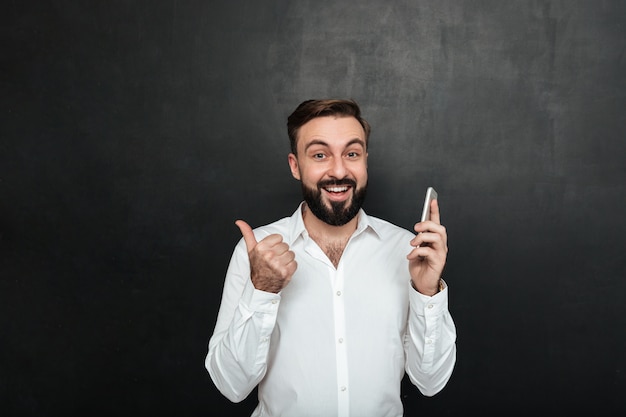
(272, 264)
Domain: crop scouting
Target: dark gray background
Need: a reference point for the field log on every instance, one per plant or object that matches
(135, 133)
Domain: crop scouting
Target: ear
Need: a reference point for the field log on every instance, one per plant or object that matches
(293, 164)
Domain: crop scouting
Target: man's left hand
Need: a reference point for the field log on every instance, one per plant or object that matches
(427, 259)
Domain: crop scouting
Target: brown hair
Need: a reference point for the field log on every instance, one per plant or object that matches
(310, 109)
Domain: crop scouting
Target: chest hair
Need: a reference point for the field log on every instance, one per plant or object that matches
(334, 252)
(333, 248)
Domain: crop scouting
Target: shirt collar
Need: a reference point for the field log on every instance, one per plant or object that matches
(297, 229)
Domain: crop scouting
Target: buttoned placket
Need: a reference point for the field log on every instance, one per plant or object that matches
(336, 279)
(343, 397)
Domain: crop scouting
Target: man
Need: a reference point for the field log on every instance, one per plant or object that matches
(327, 309)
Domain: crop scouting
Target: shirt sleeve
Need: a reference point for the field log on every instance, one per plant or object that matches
(430, 342)
(238, 348)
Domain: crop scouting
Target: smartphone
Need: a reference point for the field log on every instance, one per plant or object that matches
(431, 195)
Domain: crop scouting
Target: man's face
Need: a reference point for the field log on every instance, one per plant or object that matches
(332, 165)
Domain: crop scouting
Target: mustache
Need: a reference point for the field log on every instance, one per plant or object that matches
(337, 183)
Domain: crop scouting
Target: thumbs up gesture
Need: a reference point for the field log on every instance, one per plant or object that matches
(272, 263)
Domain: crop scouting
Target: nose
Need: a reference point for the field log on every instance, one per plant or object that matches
(338, 168)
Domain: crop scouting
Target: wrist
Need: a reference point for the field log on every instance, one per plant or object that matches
(440, 286)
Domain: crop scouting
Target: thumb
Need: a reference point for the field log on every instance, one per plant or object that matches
(246, 232)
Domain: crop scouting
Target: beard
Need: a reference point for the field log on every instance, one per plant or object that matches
(339, 212)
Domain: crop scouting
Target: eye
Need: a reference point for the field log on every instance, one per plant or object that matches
(318, 155)
(352, 154)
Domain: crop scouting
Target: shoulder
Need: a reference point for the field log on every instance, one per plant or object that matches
(388, 230)
(281, 226)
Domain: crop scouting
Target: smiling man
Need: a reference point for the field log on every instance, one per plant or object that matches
(326, 310)
(331, 162)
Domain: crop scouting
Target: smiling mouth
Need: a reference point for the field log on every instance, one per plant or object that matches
(337, 189)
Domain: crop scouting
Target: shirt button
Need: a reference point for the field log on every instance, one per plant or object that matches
(429, 341)
(341, 340)
(343, 388)
(430, 306)
(274, 301)
(338, 292)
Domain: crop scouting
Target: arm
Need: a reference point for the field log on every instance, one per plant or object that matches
(430, 342)
(238, 348)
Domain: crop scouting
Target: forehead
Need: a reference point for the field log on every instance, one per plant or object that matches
(332, 130)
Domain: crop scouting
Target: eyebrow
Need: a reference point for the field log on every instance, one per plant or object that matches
(321, 142)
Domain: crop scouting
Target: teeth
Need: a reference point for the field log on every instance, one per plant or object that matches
(337, 189)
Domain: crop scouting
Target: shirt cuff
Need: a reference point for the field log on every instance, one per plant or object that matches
(424, 304)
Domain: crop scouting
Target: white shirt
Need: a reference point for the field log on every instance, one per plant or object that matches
(333, 342)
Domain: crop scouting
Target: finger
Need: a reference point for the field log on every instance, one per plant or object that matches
(425, 238)
(284, 260)
(429, 226)
(427, 254)
(280, 248)
(288, 257)
(248, 235)
(273, 242)
(434, 212)
(421, 253)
